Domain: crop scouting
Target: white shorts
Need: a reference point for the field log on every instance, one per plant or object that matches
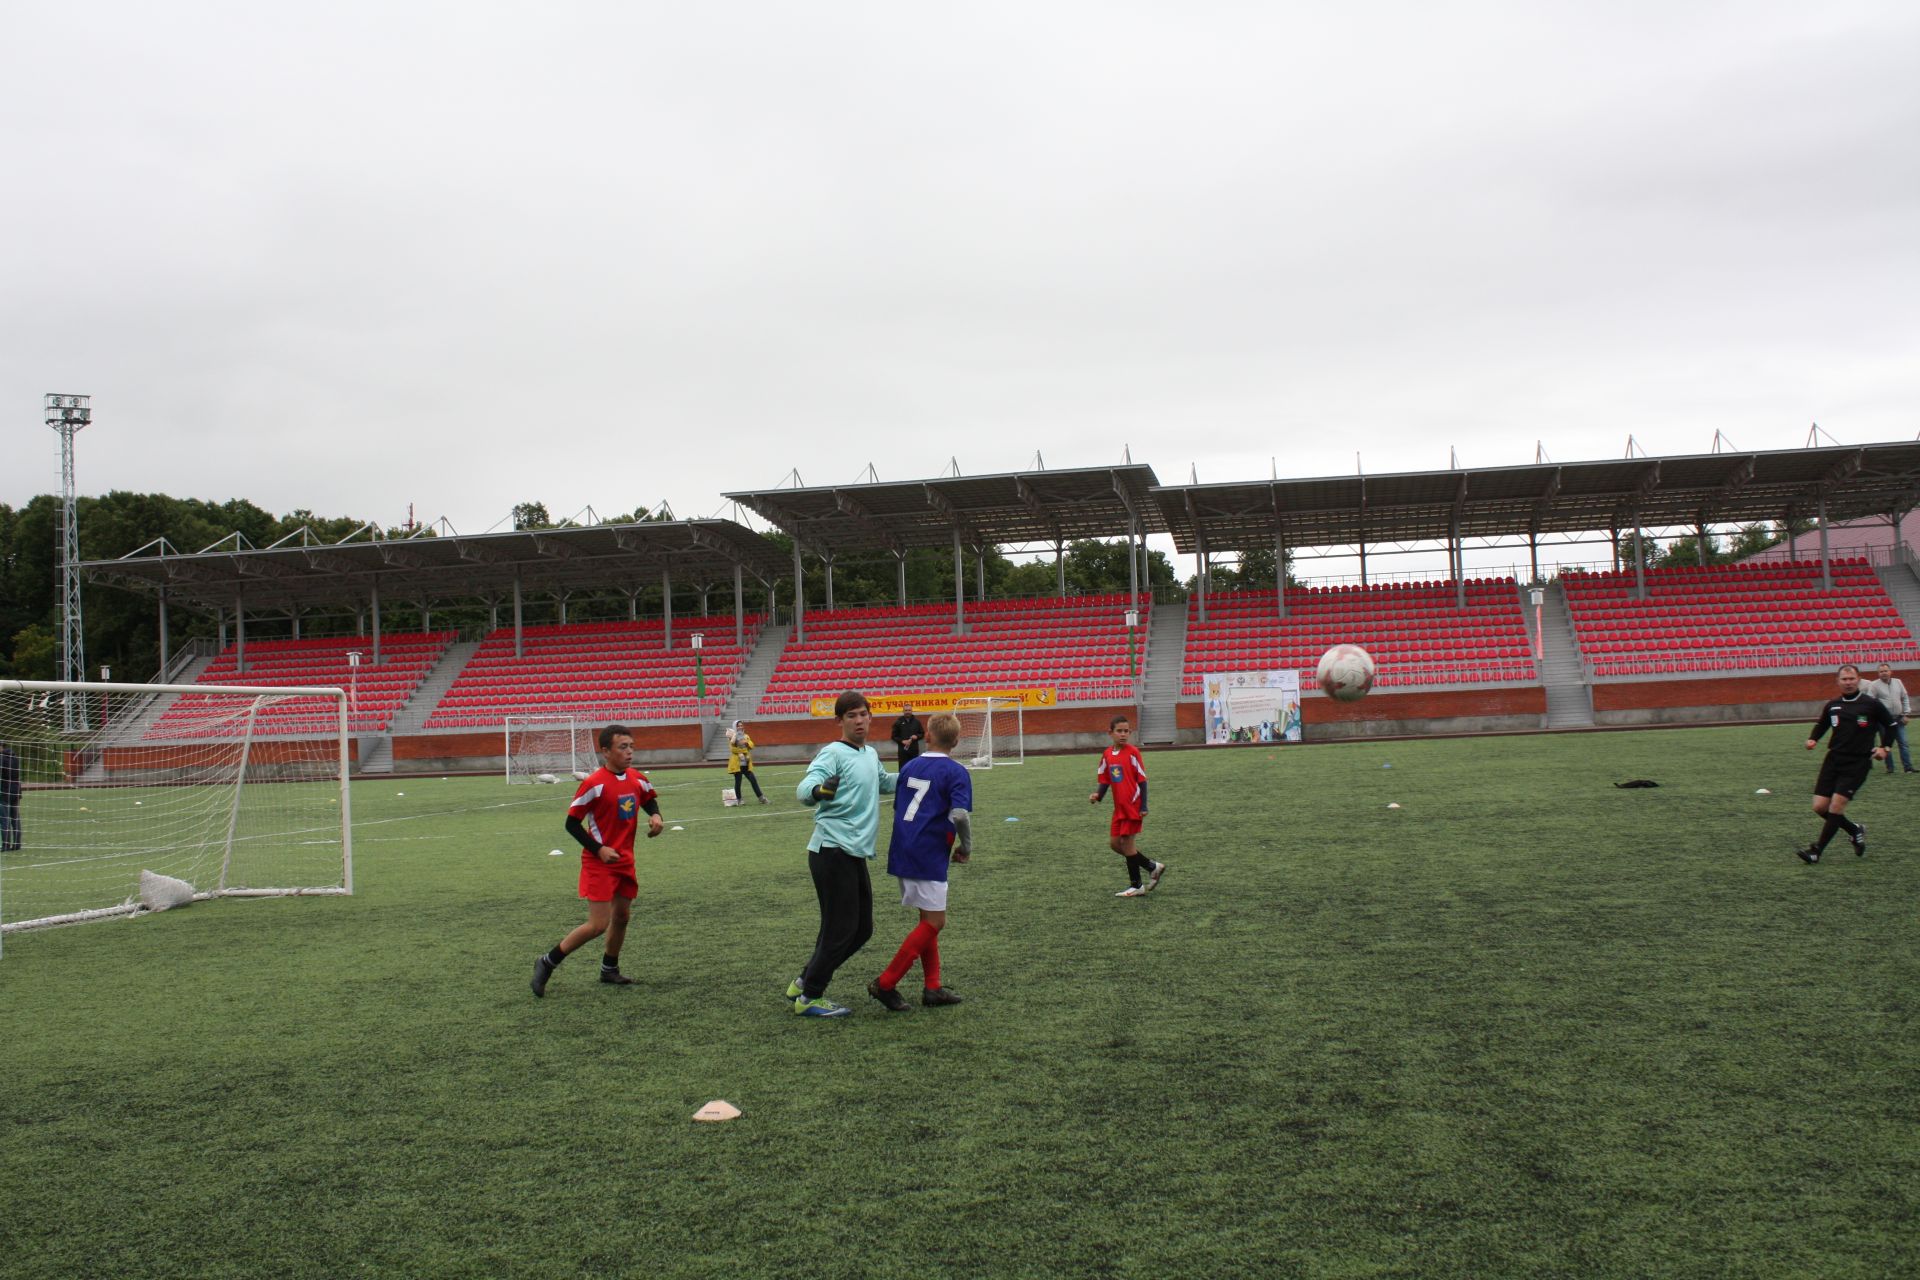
(927, 895)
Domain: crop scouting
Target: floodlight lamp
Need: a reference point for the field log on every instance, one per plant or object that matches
(106, 673)
(1133, 618)
(1536, 596)
(353, 657)
(66, 412)
(698, 640)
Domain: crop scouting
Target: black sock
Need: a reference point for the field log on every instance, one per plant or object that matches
(556, 955)
(610, 964)
(1826, 832)
(1845, 823)
(1138, 864)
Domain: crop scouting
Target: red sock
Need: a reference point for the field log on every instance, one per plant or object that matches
(903, 958)
(930, 958)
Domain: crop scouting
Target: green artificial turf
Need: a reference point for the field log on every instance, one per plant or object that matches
(1526, 1024)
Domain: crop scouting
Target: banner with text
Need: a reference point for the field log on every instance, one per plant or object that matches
(1253, 706)
(889, 705)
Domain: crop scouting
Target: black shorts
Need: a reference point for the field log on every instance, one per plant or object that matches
(1842, 777)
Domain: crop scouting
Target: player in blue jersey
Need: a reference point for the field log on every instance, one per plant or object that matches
(932, 824)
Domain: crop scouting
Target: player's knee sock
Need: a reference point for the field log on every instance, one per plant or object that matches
(1845, 823)
(1138, 864)
(556, 955)
(930, 958)
(903, 959)
(610, 963)
(1826, 832)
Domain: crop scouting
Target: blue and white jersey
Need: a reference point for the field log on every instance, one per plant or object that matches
(930, 787)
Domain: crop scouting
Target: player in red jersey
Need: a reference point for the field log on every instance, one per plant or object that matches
(1123, 772)
(603, 817)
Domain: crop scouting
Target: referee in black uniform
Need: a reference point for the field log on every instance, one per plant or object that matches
(1855, 717)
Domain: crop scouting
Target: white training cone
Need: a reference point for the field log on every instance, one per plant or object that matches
(676, 828)
(1393, 806)
(556, 853)
(1763, 792)
(718, 1109)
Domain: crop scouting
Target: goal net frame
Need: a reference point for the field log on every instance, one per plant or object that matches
(228, 751)
(992, 732)
(524, 763)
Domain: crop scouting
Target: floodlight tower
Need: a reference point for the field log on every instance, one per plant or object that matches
(67, 414)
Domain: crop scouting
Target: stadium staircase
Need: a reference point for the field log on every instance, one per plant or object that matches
(413, 713)
(1903, 588)
(748, 687)
(1163, 661)
(1563, 672)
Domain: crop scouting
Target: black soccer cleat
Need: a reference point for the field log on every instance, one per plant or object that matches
(1808, 855)
(542, 970)
(1860, 840)
(933, 996)
(613, 977)
(888, 997)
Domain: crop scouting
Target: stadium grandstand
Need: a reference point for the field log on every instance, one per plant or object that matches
(1562, 643)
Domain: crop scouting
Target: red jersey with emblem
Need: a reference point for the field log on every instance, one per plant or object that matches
(1124, 774)
(608, 805)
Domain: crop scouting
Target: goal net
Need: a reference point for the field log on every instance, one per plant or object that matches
(549, 749)
(991, 733)
(237, 791)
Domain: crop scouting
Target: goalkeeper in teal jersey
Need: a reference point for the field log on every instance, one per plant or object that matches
(843, 786)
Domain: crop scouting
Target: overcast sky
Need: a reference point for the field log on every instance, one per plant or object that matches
(353, 256)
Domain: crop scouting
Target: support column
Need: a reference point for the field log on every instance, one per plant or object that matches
(1533, 553)
(293, 616)
(1826, 558)
(1280, 573)
(165, 653)
(739, 608)
(376, 622)
(1639, 566)
(1363, 564)
(829, 564)
(799, 598)
(221, 614)
(1459, 554)
(239, 636)
(1060, 569)
(633, 603)
(519, 639)
(426, 615)
(900, 576)
(959, 587)
(1200, 567)
(980, 577)
(666, 609)
(1133, 567)
(1700, 544)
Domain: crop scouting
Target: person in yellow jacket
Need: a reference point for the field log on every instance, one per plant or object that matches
(740, 760)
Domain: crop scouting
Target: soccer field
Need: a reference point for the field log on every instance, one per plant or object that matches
(1526, 1024)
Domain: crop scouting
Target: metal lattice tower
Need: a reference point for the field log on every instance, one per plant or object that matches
(67, 414)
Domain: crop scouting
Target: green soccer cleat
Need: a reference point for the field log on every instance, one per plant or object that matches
(794, 990)
(820, 1007)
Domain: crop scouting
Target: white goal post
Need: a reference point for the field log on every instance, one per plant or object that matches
(236, 790)
(548, 749)
(992, 732)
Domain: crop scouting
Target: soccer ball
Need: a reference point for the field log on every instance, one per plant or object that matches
(1345, 672)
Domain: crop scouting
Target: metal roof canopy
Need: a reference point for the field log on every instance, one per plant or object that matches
(1009, 509)
(1688, 490)
(454, 566)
